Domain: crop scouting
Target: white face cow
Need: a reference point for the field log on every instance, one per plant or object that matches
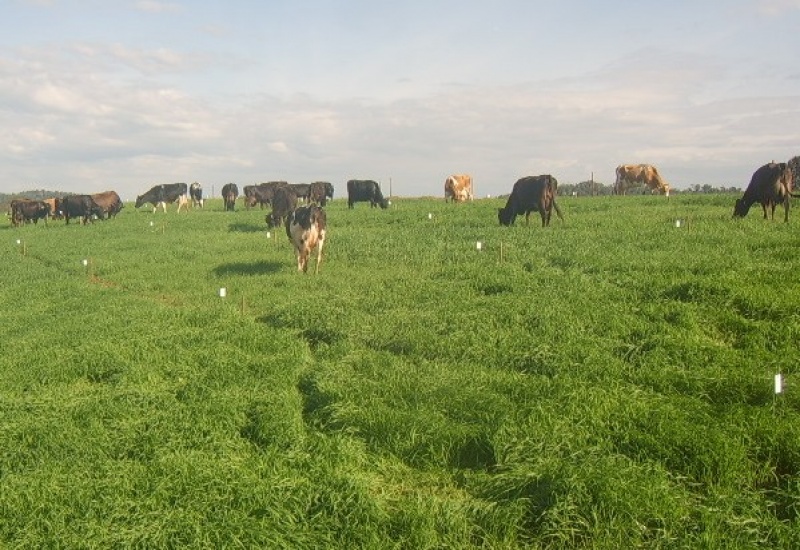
(306, 228)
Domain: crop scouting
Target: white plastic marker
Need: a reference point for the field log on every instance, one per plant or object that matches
(269, 235)
(479, 245)
(778, 383)
(152, 224)
(677, 223)
(430, 217)
(19, 241)
(85, 262)
(223, 292)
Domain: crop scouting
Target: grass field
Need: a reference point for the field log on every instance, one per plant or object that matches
(607, 382)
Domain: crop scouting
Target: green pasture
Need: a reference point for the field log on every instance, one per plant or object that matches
(606, 382)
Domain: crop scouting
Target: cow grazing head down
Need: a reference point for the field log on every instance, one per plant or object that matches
(306, 228)
(531, 193)
(770, 185)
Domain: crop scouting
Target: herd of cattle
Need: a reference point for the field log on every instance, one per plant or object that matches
(770, 185)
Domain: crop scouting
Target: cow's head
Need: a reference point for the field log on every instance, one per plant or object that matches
(506, 216)
(140, 200)
(272, 220)
(740, 209)
(384, 203)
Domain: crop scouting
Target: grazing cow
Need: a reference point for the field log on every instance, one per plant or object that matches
(306, 228)
(632, 175)
(301, 190)
(794, 166)
(55, 211)
(284, 202)
(531, 193)
(320, 192)
(771, 184)
(80, 206)
(196, 192)
(24, 210)
(109, 202)
(458, 188)
(365, 191)
(164, 194)
(262, 193)
(14, 213)
(229, 193)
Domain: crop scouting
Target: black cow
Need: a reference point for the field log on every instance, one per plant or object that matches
(24, 210)
(164, 194)
(301, 190)
(196, 193)
(531, 193)
(363, 191)
(306, 228)
(771, 184)
(320, 192)
(284, 202)
(229, 193)
(80, 206)
(262, 193)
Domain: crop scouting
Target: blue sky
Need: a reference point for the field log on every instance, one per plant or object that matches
(125, 94)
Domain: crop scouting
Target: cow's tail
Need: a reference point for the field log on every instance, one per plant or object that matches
(558, 210)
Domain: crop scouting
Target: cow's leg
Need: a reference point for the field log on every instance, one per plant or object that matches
(302, 258)
(319, 252)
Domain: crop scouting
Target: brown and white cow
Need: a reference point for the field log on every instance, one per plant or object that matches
(306, 228)
(458, 188)
(633, 175)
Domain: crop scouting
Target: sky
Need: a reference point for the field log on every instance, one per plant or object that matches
(127, 94)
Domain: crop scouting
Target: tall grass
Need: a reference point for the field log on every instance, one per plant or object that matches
(605, 382)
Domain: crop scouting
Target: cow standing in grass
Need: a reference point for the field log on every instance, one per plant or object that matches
(306, 228)
(531, 193)
(770, 185)
(458, 188)
(25, 210)
(365, 191)
(229, 193)
(109, 202)
(161, 195)
(80, 206)
(320, 192)
(196, 192)
(284, 201)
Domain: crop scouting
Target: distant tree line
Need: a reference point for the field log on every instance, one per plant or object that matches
(596, 188)
(37, 194)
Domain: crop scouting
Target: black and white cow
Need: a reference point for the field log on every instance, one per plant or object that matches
(306, 228)
(161, 195)
(196, 193)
